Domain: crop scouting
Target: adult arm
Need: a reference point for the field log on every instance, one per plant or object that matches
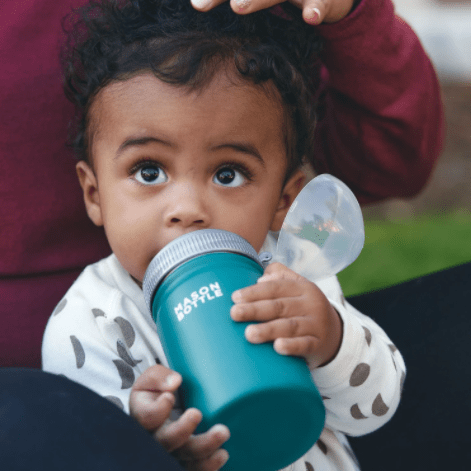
(381, 123)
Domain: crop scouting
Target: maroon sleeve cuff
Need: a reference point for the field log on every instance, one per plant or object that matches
(367, 12)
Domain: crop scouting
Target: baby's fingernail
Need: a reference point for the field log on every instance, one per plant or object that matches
(236, 296)
(251, 333)
(172, 380)
(195, 414)
(236, 311)
(221, 430)
(243, 4)
(280, 348)
(312, 16)
(223, 455)
(201, 3)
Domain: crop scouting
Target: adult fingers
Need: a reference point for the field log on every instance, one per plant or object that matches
(205, 5)
(239, 6)
(314, 12)
(327, 11)
(249, 6)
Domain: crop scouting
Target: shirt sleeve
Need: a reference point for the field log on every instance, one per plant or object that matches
(380, 114)
(91, 339)
(361, 387)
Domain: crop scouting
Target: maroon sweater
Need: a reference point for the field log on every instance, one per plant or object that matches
(380, 132)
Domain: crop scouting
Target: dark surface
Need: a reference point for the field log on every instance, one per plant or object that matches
(429, 320)
(50, 423)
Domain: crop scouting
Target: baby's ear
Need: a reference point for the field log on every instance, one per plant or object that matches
(91, 196)
(291, 189)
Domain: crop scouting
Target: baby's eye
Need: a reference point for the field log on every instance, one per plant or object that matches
(228, 176)
(150, 174)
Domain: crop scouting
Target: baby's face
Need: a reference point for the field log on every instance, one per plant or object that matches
(167, 161)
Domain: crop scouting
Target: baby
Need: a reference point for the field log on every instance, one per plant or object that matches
(188, 121)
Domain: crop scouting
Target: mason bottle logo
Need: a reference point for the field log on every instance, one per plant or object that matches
(203, 295)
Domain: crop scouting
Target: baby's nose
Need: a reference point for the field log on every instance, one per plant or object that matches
(187, 208)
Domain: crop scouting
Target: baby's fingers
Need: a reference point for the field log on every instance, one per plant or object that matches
(204, 445)
(271, 289)
(216, 461)
(151, 409)
(279, 328)
(268, 309)
(158, 378)
(174, 434)
(298, 347)
(198, 452)
(152, 398)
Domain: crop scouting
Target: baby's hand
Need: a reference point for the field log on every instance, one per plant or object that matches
(314, 11)
(151, 402)
(293, 312)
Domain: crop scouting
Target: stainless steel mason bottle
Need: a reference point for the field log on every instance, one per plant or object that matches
(269, 402)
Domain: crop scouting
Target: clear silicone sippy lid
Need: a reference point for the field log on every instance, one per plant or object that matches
(323, 231)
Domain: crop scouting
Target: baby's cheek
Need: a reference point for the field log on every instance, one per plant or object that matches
(132, 255)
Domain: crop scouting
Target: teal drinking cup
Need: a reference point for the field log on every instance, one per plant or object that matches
(268, 401)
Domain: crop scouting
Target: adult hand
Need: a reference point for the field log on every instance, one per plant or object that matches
(314, 11)
(151, 402)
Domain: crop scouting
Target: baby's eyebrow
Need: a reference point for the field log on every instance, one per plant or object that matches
(243, 147)
(139, 141)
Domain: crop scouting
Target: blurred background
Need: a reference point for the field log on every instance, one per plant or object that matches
(407, 238)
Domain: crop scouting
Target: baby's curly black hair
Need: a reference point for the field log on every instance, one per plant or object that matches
(111, 40)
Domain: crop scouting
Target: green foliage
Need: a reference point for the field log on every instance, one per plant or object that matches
(400, 250)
